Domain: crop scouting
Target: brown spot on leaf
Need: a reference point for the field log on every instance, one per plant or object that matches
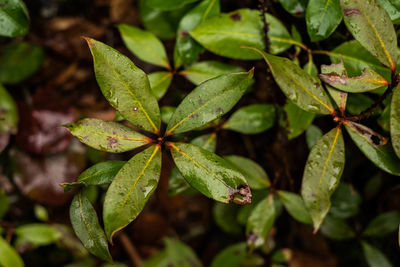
(241, 195)
(236, 17)
(332, 78)
(373, 137)
(112, 142)
(348, 12)
(183, 34)
(219, 110)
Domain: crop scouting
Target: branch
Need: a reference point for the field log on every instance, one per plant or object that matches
(130, 249)
(263, 10)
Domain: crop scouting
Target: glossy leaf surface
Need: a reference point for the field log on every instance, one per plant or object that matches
(370, 24)
(296, 120)
(159, 83)
(322, 17)
(336, 228)
(392, 7)
(295, 7)
(210, 174)
(8, 114)
(294, 204)
(395, 120)
(313, 134)
(209, 101)
(125, 86)
(168, 4)
(145, 45)
(107, 136)
(131, 188)
(9, 257)
(374, 257)
(87, 228)
(14, 18)
(384, 224)
(322, 174)
(339, 97)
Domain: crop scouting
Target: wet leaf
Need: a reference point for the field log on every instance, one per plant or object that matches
(301, 88)
(313, 134)
(357, 103)
(345, 201)
(210, 174)
(186, 46)
(36, 234)
(252, 119)
(107, 136)
(260, 222)
(145, 45)
(19, 61)
(370, 24)
(99, 174)
(179, 254)
(311, 69)
(87, 228)
(9, 257)
(200, 72)
(209, 101)
(159, 83)
(295, 7)
(225, 218)
(226, 33)
(322, 17)
(383, 156)
(168, 4)
(4, 204)
(296, 120)
(322, 174)
(125, 86)
(131, 188)
(392, 7)
(166, 113)
(384, 224)
(374, 257)
(295, 206)
(14, 18)
(395, 120)
(252, 171)
(336, 229)
(384, 120)
(233, 256)
(8, 113)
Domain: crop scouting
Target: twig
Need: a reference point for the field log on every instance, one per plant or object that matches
(130, 249)
(263, 10)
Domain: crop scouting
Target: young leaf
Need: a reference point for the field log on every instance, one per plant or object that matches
(260, 222)
(186, 46)
(374, 257)
(159, 83)
(252, 119)
(37, 234)
(226, 33)
(296, 120)
(368, 81)
(14, 18)
(125, 86)
(392, 8)
(370, 24)
(382, 156)
(322, 174)
(145, 45)
(322, 17)
(9, 257)
(295, 7)
(168, 4)
(206, 70)
(87, 228)
(232, 256)
(210, 174)
(179, 254)
(394, 120)
(131, 188)
(107, 136)
(313, 134)
(384, 224)
(294, 204)
(209, 101)
(255, 175)
(19, 61)
(336, 228)
(100, 174)
(8, 114)
(301, 88)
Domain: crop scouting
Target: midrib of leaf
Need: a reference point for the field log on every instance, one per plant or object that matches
(209, 140)
(11, 18)
(162, 79)
(116, 136)
(208, 10)
(324, 11)
(131, 93)
(97, 173)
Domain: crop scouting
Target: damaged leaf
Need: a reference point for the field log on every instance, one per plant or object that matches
(395, 120)
(339, 97)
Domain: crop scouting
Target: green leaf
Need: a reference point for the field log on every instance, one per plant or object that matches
(187, 47)
(87, 228)
(337, 229)
(313, 134)
(131, 188)
(322, 17)
(295, 7)
(395, 120)
(40, 213)
(382, 156)
(159, 83)
(125, 86)
(282, 256)
(374, 257)
(209, 101)
(301, 88)
(179, 254)
(168, 4)
(107, 136)
(145, 45)
(370, 24)
(99, 174)
(232, 256)
(294, 204)
(392, 7)
(200, 72)
(345, 201)
(252, 171)
(384, 121)
(166, 113)
(260, 222)
(160, 259)
(14, 18)
(225, 217)
(37, 234)
(368, 81)
(210, 174)
(4, 204)
(226, 33)
(252, 119)
(311, 69)
(339, 97)
(296, 120)
(357, 103)
(9, 257)
(384, 224)
(8, 114)
(206, 141)
(19, 61)
(322, 174)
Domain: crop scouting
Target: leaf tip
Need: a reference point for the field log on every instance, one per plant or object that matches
(251, 72)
